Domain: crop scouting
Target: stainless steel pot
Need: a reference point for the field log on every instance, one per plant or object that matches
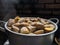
(3, 35)
(25, 39)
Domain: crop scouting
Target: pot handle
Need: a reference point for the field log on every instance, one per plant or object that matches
(2, 23)
(56, 20)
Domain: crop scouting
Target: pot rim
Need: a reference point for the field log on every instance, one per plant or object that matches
(56, 27)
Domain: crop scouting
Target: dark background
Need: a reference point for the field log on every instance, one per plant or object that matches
(38, 8)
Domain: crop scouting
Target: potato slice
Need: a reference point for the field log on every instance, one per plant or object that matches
(49, 27)
(39, 32)
(16, 29)
(24, 30)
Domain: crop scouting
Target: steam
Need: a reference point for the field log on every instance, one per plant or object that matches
(8, 8)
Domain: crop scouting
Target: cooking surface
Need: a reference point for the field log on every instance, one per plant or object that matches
(7, 43)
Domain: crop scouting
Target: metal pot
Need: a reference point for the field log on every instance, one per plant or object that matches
(25, 39)
(3, 35)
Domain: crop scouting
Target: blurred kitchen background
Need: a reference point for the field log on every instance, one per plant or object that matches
(36, 8)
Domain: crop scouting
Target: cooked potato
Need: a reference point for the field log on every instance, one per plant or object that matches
(10, 28)
(21, 20)
(30, 25)
(11, 22)
(29, 22)
(16, 29)
(38, 25)
(27, 19)
(31, 28)
(16, 24)
(24, 24)
(49, 27)
(17, 18)
(39, 32)
(34, 19)
(44, 21)
(24, 30)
